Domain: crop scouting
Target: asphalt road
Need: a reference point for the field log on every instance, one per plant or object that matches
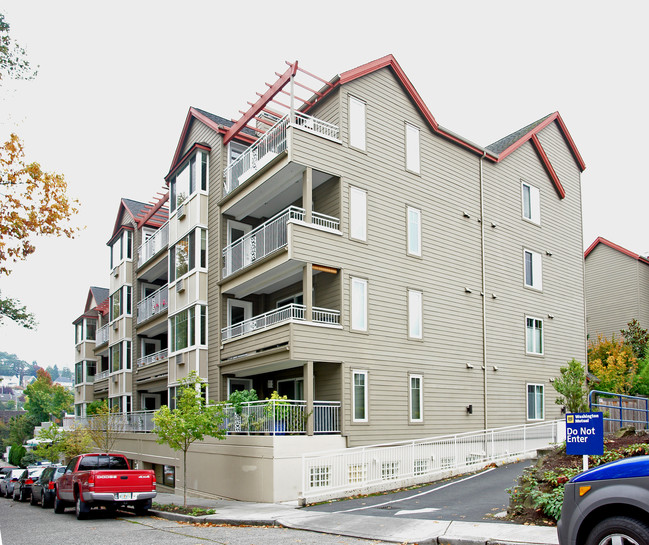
(23, 524)
(477, 497)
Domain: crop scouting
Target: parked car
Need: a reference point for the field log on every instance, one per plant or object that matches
(23, 487)
(607, 505)
(44, 488)
(8, 482)
(95, 480)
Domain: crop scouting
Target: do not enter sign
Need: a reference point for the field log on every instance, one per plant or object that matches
(585, 433)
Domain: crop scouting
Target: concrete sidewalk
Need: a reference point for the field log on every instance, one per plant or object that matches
(421, 531)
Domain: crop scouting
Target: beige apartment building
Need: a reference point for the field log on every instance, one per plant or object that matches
(393, 278)
(617, 288)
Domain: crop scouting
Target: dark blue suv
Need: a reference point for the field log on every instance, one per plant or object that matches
(607, 505)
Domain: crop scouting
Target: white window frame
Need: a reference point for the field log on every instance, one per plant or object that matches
(420, 395)
(536, 272)
(358, 306)
(536, 393)
(535, 351)
(357, 123)
(364, 374)
(413, 149)
(414, 231)
(357, 213)
(246, 382)
(415, 314)
(534, 213)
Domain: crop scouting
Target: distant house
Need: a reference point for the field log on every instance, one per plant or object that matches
(616, 288)
(64, 381)
(8, 380)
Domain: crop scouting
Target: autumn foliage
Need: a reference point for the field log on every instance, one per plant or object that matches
(613, 363)
(32, 203)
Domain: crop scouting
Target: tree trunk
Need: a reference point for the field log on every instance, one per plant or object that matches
(185, 478)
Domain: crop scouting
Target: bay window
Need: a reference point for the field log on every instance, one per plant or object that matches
(188, 253)
(120, 303)
(120, 356)
(121, 248)
(191, 178)
(184, 325)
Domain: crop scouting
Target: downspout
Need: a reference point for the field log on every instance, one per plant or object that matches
(484, 292)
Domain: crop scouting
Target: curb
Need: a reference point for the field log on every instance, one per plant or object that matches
(213, 519)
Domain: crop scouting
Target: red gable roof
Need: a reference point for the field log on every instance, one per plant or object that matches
(601, 240)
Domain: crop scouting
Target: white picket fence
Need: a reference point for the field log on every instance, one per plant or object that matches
(383, 467)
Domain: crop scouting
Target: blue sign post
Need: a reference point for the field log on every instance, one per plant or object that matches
(585, 435)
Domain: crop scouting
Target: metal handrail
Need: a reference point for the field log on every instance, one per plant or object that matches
(153, 304)
(157, 242)
(160, 355)
(621, 420)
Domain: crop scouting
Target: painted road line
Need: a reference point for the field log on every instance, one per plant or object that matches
(416, 511)
(416, 495)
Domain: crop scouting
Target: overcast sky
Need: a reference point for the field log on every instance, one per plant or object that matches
(116, 80)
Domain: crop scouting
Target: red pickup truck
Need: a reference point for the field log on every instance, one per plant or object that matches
(94, 480)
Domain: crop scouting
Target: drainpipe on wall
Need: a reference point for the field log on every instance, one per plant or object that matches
(484, 293)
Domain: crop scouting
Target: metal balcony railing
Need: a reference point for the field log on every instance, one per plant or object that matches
(160, 355)
(157, 242)
(102, 375)
(154, 304)
(269, 417)
(102, 335)
(271, 144)
(267, 238)
(277, 316)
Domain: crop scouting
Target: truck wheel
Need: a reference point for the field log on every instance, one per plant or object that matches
(59, 506)
(81, 509)
(142, 508)
(619, 531)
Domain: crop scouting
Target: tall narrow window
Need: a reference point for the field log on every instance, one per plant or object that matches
(357, 213)
(357, 128)
(115, 305)
(535, 402)
(534, 334)
(204, 171)
(359, 395)
(129, 244)
(531, 203)
(533, 269)
(414, 231)
(412, 148)
(415, 309)
(416, 398)
(359, 304)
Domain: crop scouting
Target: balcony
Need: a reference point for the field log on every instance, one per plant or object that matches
(278, 316)
(102, 375)
(102, 335)
(268, 238)
(270, 417)
(154, 304)
(157, 242)
(160, 355)
(270, 145)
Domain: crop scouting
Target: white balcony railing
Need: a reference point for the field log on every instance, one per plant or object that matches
(259, 242)
(152, 358)
(270, 145)
(157, 242)
(282, 314)
(153, 304)
(269, 417)
(267, 238)
(102, 375)
(102, 335)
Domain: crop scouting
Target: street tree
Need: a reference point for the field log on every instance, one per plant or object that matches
(47, 401)
(57, 443)
(571, 385)
(103, 425)
(190, 421)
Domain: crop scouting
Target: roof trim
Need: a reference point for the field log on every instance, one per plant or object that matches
(562, 127)
(602, 240)
(548, 166)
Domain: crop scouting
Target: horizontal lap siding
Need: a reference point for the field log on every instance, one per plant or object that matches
(249, 344)
(450, 262)
(562, 295)
(612, 282)
(326, 198)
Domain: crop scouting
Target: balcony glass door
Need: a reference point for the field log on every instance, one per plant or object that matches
(240, 255)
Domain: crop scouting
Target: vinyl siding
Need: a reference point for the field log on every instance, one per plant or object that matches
(616, 284)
